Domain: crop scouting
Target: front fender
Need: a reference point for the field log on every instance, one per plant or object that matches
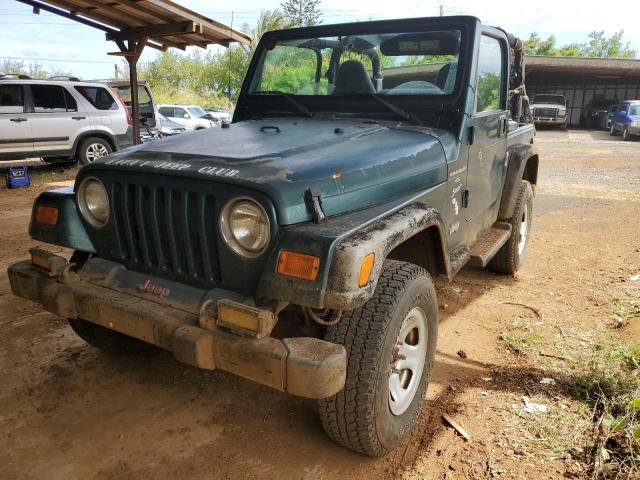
(68, 230)
(341, 243)
(519, 156)
(379, 238)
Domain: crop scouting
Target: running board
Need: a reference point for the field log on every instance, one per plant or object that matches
(490, 243)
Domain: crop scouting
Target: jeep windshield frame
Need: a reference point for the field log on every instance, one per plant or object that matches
(326, 45)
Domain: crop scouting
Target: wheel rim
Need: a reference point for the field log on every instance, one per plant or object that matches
(95, 151)
(408, 361)
(524, 227)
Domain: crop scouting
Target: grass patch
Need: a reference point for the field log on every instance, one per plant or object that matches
(608, 381)
(52, 173)
(521, 336)
(625, 310)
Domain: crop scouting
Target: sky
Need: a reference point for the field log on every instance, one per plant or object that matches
(58, 43)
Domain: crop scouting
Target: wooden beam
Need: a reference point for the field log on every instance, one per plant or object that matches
(160, 30)
(69, 15)
(132, 7)
(218, 28)
(94, 15)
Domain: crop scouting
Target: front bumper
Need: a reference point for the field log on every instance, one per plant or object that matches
(634, 130)
(307, 367)
(548, 121)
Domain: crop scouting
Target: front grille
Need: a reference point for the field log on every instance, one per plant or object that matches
(545, 112)
(166, 231)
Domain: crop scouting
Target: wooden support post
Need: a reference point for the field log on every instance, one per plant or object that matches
(132, 53)
(135, 108)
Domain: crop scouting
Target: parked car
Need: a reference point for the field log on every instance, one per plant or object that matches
(167, 128)
(595, 113)
(626, 120)
(60, 120)
(220, 113)
(610, 113)
(192, 117)
(549, 109)
(146, 104)
(297, 247)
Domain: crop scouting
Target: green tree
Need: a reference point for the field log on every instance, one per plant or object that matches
(302, 13)
(207, 78)
(535, 45)
(597, 46)
(32, 69)
(612, 47)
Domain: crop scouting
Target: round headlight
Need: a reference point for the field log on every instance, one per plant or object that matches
(93, 202)
(245, 227)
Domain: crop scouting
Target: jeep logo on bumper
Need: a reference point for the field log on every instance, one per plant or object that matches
(149, 287)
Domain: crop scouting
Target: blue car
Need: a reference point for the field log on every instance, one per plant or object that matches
(626, 120)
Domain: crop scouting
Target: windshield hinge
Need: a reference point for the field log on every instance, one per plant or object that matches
(313, 199)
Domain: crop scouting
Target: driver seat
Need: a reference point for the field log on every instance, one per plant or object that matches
(352, 78)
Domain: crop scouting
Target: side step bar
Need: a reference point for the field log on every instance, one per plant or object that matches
(492, 241)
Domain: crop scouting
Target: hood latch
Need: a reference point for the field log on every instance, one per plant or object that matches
(313, 199)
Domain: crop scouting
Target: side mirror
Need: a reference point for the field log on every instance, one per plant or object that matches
(186, 115)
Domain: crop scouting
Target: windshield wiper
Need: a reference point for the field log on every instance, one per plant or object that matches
(289, 98)
(395, 109)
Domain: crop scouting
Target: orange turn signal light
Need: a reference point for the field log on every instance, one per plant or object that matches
(46, 215)
(365, 269)
(298, 265)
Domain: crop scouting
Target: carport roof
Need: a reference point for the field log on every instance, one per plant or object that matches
(598, 67)
(165, 23)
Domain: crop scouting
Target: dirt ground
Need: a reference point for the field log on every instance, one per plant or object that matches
(70, 412)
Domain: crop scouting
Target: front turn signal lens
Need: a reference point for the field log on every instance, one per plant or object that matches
(365, 269)
(298, 265)
(46, 215)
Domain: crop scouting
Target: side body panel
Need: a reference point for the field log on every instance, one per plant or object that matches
(15, 128)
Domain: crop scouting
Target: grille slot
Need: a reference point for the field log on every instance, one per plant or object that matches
(545, 112)
(166, 231)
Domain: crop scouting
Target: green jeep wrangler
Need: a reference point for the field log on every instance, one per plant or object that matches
(296, 247)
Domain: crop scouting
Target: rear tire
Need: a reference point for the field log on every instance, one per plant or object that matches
(625, 134)
(612, 131)
(391, 344)
(93, 148)
(511, 256)
(107, 340)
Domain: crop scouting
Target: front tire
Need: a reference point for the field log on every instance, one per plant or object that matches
(391, 345)
(107, 340)
(511, 256)
(612, 130)
(625, 134)
(93, 148)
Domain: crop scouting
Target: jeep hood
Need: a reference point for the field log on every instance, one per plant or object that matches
(355, 164)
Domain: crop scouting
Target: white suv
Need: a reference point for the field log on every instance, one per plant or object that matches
(60, 119)
(191, 117)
